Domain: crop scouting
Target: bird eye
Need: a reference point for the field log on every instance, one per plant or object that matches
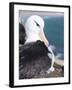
(37, 24)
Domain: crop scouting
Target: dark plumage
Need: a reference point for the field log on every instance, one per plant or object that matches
(22, 34)
(33, 50)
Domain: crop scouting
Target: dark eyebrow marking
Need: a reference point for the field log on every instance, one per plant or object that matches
(37, 24)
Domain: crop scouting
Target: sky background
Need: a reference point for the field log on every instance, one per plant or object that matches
(23, 15)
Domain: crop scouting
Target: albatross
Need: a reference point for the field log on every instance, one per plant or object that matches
(34, 29)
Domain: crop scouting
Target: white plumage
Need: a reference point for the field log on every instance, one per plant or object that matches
(32, 30)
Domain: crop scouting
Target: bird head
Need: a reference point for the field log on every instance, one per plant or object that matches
(34, 24)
